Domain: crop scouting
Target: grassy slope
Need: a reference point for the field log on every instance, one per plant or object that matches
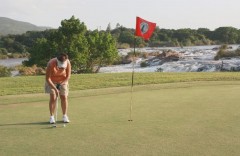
(192, 118)
(23, 85)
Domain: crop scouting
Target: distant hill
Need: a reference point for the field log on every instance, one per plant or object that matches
(10, 26)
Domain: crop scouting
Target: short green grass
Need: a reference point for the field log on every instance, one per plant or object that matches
(181, 118)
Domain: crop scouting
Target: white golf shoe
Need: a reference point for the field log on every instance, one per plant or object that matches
(65, 119)
(52, 120)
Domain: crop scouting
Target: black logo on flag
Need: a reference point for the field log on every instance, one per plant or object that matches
(144, 27)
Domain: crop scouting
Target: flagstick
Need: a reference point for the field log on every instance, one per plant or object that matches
(144, 29)
(133, 66)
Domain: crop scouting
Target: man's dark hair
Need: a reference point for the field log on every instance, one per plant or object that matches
(61, 56)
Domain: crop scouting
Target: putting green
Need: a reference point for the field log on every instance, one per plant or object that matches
(198, 118)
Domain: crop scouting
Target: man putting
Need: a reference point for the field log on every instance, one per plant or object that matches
(57, 76)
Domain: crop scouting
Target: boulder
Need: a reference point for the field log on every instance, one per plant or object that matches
(165, 56)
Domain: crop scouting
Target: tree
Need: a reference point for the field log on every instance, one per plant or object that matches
(108, 28)
(107, 49)
(204, 31)
(117, 25)
(238, 41)
(41, 53)
(70, 38)
(8, 42)
(228, 35)
(102, 50)
(184, 35)
(85, 49)
(126, 37)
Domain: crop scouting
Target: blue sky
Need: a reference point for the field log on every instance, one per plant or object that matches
(97, 14)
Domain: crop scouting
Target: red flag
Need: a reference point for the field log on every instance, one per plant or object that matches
(144, 28)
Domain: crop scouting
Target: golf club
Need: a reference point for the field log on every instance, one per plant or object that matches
(56, 111)
(56, 108)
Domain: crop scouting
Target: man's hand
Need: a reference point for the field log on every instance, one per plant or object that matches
(58, 86)
(57, 89)
(57, 92)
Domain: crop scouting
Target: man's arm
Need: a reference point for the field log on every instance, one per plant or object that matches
(68, 72)
(48, 79)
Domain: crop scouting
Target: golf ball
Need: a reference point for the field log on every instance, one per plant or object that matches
(64, 125)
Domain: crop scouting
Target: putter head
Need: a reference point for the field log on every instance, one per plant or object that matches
(54, 126)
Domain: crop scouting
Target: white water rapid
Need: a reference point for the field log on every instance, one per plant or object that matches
(194, 59)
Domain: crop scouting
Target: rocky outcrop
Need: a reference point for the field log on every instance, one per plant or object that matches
(165, 56)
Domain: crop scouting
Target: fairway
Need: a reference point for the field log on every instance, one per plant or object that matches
(172, 119)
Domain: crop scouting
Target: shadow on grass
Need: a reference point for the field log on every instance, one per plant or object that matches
(46, 125)
(25, 124)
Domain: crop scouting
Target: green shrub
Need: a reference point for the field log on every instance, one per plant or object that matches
(3, 56)
(223, 52)
(5, 72)
(144, 64)
(224, 47)
(159, 70)
(123, 46)
(30, 71)
(3, 51)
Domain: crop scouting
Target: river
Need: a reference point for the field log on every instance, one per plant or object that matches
(194, 59)
(12, 62)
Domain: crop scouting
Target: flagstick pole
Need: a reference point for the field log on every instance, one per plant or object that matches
(133, 67)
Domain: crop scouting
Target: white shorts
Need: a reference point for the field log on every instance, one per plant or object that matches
(63, 89)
